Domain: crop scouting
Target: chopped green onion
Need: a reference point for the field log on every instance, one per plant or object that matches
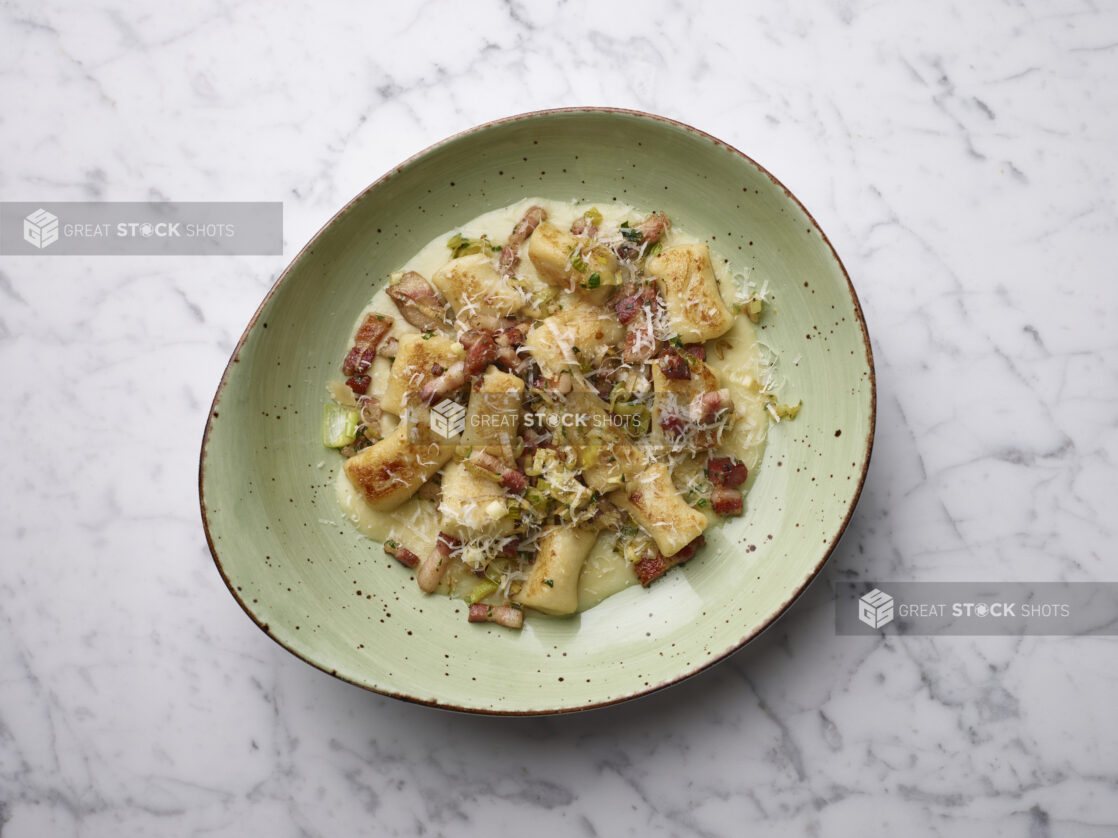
(608, 277)
(594, 280)
(456, 242)
(546, 298)
(593, 216)
(785, 411)
(638, 418)
(497, 568)
(537, 499)
(459, 245)
(339, 425)
(481, 591)
(481, 471)
(619, 392)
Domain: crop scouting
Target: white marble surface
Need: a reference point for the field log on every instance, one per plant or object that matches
(961, 156)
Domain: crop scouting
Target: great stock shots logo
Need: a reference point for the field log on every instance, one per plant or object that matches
(448, 418)
(40, 228)
(875, 609)
(141, 228)
(978, 609)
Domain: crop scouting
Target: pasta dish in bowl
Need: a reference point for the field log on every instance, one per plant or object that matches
(592, 372)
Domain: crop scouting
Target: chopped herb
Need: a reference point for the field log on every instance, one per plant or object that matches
(593, 281)
(549, 582)
(362, 440)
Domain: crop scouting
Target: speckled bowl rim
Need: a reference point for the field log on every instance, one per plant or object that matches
(766, 623)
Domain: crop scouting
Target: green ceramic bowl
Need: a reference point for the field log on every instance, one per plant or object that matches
(335, 600)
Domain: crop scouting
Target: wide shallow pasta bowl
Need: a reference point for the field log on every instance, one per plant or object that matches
(333, 598)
